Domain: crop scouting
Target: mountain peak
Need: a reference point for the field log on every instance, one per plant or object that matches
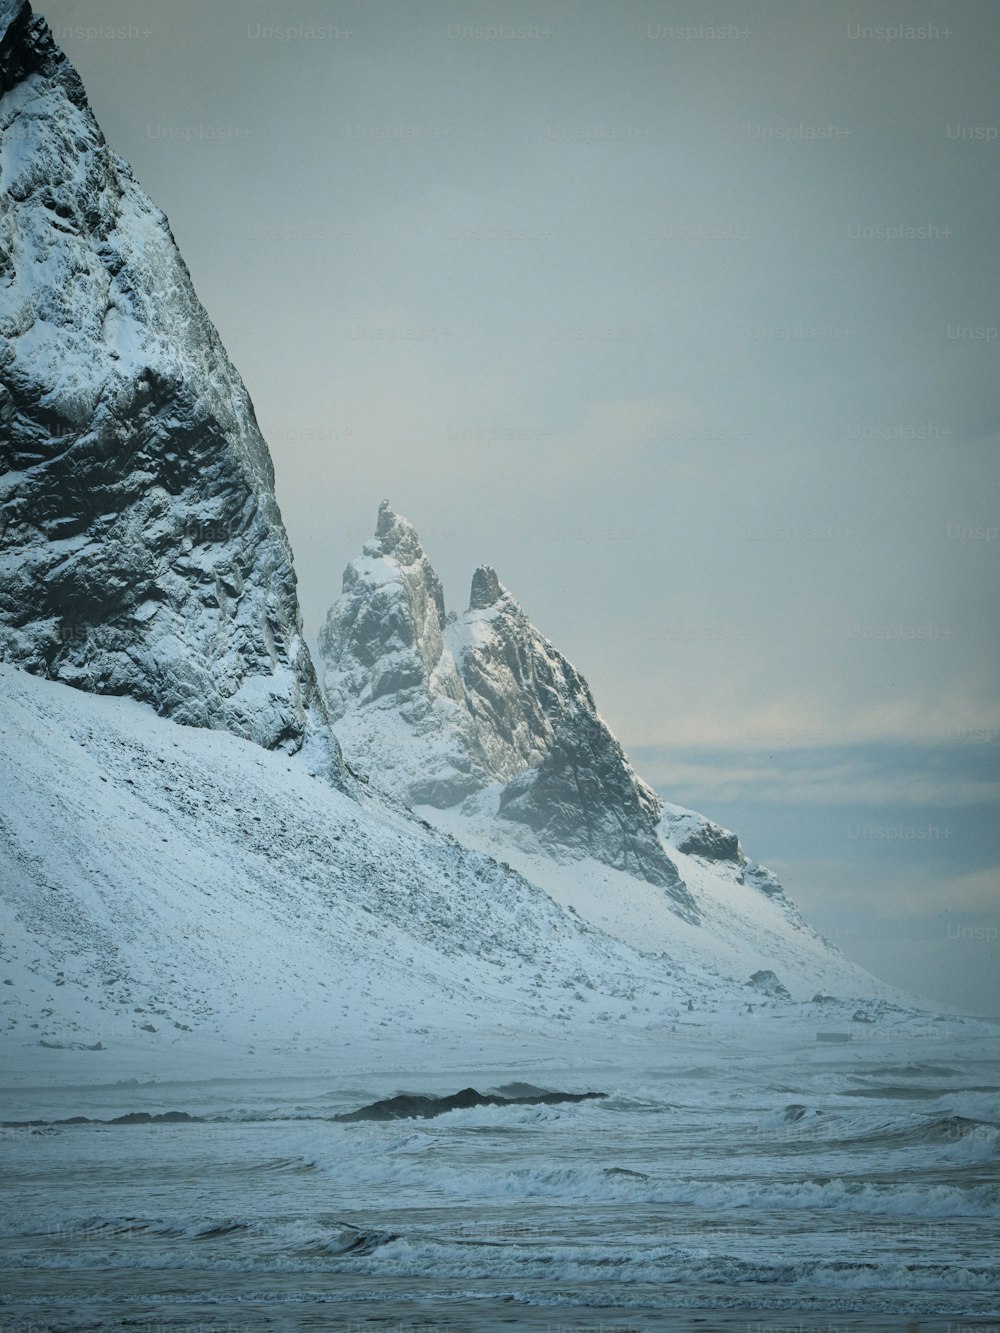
(387, 520)
(10, 12)
(142, 552)
(445, 707)
(27, 47)
(395, 536)
(486, 589)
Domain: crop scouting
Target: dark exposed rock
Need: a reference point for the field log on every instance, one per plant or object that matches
(163, 1118)
(585, 797)
(412, 1106)
(141, 548)
(130, 1118)
(763, 880)
(486, 589)
(712, 842)
(27, 48)
(695, 835)
(768, 984)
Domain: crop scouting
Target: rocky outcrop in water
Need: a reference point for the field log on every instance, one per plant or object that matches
(413, 1106)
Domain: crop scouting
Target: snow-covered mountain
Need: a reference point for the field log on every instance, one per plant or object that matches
(477, 722)
(141, 547)
(170, 892)
(441, 706)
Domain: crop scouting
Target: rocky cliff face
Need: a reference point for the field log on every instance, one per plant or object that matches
(141, 547)
(519, 688)
(697, 836)
(392, 686)
(585, 797)
(438, 706)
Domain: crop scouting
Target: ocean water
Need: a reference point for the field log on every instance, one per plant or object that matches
(827, 1188)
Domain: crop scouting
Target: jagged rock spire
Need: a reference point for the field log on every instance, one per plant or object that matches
(486, 589)
(396, 536)
(442, 707)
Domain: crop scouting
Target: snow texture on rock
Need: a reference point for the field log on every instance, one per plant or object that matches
(768, 984)
(439, 707)
(141, 548)
(392, 686)
(695, 835)
(585, 797)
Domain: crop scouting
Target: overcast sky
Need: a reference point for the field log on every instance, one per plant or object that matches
(685, 318)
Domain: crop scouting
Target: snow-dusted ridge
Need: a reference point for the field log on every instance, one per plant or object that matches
(141, 548)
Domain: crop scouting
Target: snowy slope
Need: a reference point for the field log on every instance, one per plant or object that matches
(141, 547)
(169, 878)
(739, 928)
(180, 895)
